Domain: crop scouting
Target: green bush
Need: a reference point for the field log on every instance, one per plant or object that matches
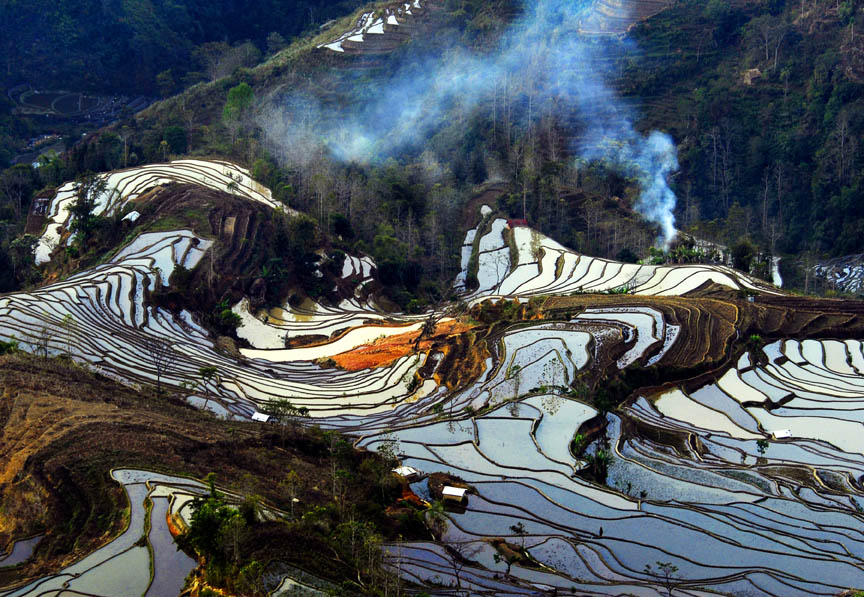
(175, 136)
(229, 320)
(10, 347)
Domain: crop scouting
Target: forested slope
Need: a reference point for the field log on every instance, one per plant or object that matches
(761, 98)
(123, 45)
(765, 101)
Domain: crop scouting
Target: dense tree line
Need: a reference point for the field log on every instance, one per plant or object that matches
(765, 101)
(773, 160)
(125, 45)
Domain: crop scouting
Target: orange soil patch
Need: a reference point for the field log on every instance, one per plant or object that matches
(386, 351)
(409, 496)
(174, 528)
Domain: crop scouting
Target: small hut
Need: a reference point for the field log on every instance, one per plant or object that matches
(454, 494)
(132, 216)
(408, 473)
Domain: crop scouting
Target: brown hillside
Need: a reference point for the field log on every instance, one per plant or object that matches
(62, 429)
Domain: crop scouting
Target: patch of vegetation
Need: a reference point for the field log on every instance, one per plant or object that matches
(58, 46)
(577, 443)
(765, 158)
(10, 347)
(336, 499)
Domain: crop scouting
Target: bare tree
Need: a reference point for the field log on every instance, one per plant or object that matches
(778, 41)
(844, 147)
(809, 261)
(529, 171)
(291, 484)
(766, 182)
(502, 266)
(779, 176)
(70, 332)
(207, 374)
(459, 555)
(221, 60)
(774, 234)
(592, 211)
(42, 342)
(713, 137)
(666, 574)
(771, 34)
(442, 308)
(162, 357)
(14, 187)
(125, 134)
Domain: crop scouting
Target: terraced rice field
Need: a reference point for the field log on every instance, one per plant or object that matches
(732, 520)
(124, 186)
(383, 30)
(123, 566)
(813, 389)
(615, 17)
(689, 482)
(378, 31)
(543, 266)
(845, 274)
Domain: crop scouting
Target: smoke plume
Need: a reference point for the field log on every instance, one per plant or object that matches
(543, 54)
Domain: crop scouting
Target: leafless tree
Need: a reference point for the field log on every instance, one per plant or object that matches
(779, 173)
(809, 261)
(459, 555)
(125, 134)
(162, 357)
(771, 34)
(42, 341)
(844, 147)
(775, 233)
(778, 41)
(13, 187)
(442, 308)
(766, 182)
(70, 331)
(665, 573)
(502, 266)
(592, 211)
(712, 138)
(291, 484)
(221, 60)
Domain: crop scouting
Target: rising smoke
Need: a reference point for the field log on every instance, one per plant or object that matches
(544, 54)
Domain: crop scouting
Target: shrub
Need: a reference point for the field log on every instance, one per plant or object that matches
(627, 255)
(335, 261)
(229, 320)
(10, 347)
(181, 278)
(577, 444)
(175, 137)
(342, 226)
(742, 256)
